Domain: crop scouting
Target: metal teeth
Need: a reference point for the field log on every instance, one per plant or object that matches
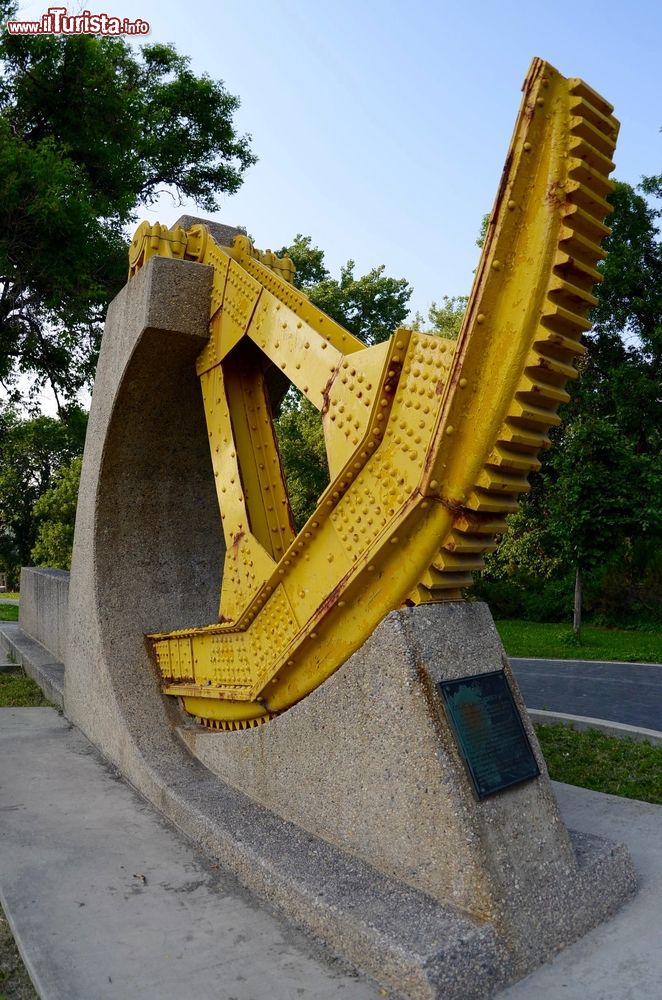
(234, 725)
(550, 363)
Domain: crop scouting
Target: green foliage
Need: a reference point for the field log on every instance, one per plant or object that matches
(371, 307)
(600, 493)
(31, 453)
(444, 320)
(308, 261)
(303, 454)
(8, 612)
(603, 763)
(55, 514)
(88, 129)
(526, 548)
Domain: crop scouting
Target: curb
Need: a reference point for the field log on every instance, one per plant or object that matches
(547, 659)
(583, 723)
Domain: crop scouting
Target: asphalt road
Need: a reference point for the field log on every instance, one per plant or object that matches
(630, 693)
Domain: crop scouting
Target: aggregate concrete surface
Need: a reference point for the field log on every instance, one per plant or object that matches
(108, 901)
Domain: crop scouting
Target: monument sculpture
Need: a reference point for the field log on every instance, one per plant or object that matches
(429, 442)
(343, 730)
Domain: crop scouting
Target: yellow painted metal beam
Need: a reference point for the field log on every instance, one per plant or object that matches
(429, 442)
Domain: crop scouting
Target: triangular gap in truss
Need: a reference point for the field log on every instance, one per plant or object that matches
(262, 404)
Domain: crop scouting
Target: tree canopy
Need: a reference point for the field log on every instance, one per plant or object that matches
(32, 452)
(371, 307)
(90, 128)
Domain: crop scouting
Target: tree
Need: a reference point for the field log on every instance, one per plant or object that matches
(446, 319)
(303, 454)
(55, 514)
(371, 307)
(88, 130)
(601, 494)
(31, 454)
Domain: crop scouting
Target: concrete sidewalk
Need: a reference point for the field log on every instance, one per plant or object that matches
(108, 901)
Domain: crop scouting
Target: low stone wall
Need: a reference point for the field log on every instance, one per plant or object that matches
(43, 608)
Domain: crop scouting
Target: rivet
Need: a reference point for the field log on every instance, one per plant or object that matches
(527, 147)
(463, 383)
(399, 345)
(540, 102)
(371, 569)
(450, 430)
(512, 206)
(323, 345)
(496, 265)
(433, 484)
(425, 504)
(395, 540)
(480, 318)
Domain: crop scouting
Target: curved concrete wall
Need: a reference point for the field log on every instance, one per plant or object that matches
(148, 545)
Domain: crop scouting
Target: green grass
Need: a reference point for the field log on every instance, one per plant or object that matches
(557, 642)
(17, 690)
(603, 763)
(8, 612)
(10, 594)
(14, 981)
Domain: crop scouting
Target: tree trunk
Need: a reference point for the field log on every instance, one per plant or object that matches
(577, 615)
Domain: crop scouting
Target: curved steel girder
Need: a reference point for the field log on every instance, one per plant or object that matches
(429, 443)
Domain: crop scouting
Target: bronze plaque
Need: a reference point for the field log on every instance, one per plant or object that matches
(489, 732)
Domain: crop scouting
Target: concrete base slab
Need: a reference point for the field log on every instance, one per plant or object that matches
(106, 900)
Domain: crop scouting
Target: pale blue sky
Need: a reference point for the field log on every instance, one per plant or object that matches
(381, 128)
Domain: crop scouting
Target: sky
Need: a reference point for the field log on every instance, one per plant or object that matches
(381, 128)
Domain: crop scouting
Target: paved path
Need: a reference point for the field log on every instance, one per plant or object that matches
(630, 693)
(621, 959)
(108, 902)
